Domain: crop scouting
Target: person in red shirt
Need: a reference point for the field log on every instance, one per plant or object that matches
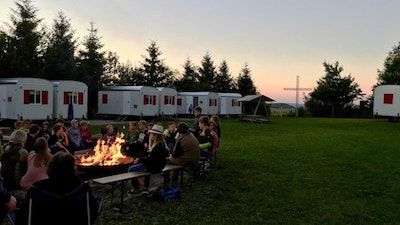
(87, 138)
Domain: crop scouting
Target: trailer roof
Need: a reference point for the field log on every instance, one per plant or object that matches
(58, 82)
(230, 95)
(15, 80)
(123, 88)
(165, 88)
(194, 93)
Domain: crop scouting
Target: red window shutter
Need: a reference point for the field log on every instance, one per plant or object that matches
(210, 102)
(165, 100)
(105, 99)
(179, 102)
(80, 98)
(154, 100)
(173, 100)
(45, 97)
(26, 96)
(388, 99)
(66, 98)
(144, 99)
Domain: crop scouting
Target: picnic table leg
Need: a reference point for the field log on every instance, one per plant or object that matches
(121, 209)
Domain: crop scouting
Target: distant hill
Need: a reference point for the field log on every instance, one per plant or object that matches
(282, 105)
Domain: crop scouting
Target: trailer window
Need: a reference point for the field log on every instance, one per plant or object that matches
(70, 98)
(169, 100)
(80, 98)
(149, 100)
(213, 102)
(388, 99)
(32, 97)
(104, 98)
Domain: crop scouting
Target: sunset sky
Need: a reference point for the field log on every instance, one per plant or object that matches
(278, 39)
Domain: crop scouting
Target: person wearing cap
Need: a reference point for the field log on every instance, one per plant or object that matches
(156, 158)
(75, 137)
(186, 151)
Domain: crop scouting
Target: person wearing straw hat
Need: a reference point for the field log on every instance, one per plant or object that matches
(156, 158)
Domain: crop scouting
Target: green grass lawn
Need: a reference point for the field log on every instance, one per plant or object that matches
(291, 171)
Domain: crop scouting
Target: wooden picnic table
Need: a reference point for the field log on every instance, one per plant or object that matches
(122, 178)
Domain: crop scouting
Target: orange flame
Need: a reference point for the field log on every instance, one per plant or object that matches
(105, 153)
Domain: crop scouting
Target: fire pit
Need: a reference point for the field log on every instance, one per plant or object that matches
(105, 158)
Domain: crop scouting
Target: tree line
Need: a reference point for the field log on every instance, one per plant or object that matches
(335, 94)
(29, 49)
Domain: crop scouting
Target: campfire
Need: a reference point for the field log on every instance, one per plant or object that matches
(105, 154)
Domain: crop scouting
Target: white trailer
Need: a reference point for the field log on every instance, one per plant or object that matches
(66, 93)
(167, 103)
(129, 100)
(187, 101)
(228, 104)
(27, 98)
(387, 101)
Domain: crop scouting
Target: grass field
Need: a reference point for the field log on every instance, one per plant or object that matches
(292, 171)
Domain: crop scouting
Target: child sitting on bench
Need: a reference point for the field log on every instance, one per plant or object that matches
(208, 139)
(155, 160)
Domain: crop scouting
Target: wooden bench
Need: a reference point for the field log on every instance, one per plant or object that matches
(122, 178)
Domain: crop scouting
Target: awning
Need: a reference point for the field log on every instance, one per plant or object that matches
(250, 98)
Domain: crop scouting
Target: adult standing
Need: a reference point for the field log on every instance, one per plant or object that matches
(196, 125)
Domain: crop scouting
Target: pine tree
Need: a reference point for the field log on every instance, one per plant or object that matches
(245, 83)
(155, 72)
(334, 92)
(129, 75)
(111, 69)
(189, 80)
(91, 66)
(23, 41)
(223, 80)
(207, 73)
(5, 57)
(59, 60)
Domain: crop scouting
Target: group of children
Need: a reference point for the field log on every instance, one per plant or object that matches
(42, 156)
(152, 147)
(59, 137)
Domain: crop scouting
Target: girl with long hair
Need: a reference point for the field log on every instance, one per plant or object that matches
(156, 158)
(38, 161)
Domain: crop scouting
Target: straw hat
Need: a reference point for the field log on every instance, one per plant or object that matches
(157, 129)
